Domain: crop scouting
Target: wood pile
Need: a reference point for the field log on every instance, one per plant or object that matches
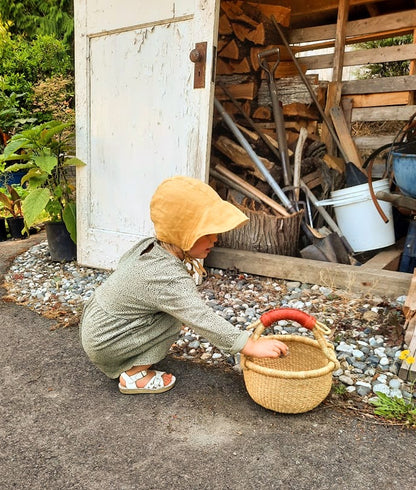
(242, 87)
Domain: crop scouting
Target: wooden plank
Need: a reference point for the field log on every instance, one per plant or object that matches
(338, 62)
(376, 100)
(334, 87)
(398, 200)
(409, 309)
(252, 190)
(373, 142)
(407, 372)
(345, 137)
(393, 113)
(361, 57)
(387, 259)
(379, 85)
(337, 276)
(410, 302)
(239, 156)
(399, 23)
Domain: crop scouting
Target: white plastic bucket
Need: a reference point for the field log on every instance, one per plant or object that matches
(358, 218)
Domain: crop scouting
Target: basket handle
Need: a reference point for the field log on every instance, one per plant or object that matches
(272, 316)
(304, 319)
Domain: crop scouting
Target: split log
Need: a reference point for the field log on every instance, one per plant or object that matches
(223, 41)
(279, 12)
(239, 91)
(234, 12)
(231, 67)
(224, 27)
(231, 50)
(231, 109)
(257, 12)
(289, 90)
(313, 179)
(251, 136)
(238, 155)
(232, 177)
(262, 112)
(240, 31)
(265, 33)
(301, 110)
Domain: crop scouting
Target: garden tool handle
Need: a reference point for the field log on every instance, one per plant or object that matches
(277, 112)
(263, 63)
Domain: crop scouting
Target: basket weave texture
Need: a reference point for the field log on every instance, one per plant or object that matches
(296, 383)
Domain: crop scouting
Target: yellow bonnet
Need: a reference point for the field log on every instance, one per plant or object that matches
(184, 209)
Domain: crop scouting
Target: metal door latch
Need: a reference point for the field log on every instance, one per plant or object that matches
(198, 56)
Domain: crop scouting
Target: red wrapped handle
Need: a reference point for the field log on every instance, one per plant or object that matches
(298, 316)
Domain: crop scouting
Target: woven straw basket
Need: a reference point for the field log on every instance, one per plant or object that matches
(298, 382)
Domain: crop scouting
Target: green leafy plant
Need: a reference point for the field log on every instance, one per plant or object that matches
(11, 203)
(44, 153)
(26, 63)
(394, 408)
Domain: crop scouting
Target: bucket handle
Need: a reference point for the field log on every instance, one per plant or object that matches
(304, 319)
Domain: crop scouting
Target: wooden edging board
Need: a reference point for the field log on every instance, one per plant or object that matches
(356, 279)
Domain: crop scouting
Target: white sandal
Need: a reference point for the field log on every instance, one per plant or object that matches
(155, 384)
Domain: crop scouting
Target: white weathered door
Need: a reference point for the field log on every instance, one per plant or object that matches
(139, 117)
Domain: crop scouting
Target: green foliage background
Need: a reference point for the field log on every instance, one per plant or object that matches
(389, 69)
(36, 62)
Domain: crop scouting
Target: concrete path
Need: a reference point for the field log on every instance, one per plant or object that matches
(63, 425)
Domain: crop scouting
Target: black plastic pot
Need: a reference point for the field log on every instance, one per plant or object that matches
(61, 246)
(16, 226)
(3, 232)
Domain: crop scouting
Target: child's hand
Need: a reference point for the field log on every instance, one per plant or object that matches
(264, 347)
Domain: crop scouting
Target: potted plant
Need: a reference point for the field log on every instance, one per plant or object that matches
(12, 205)
(43, 152)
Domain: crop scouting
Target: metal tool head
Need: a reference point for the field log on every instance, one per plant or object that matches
(262, 55)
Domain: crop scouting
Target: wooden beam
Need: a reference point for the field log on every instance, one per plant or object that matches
(337, 276)
(379, 85)
(359, 30)
(340, 47)
(345, 137)
(361, 57)
(334, 88)
(387, 259)
(376, 100)
(398, 200)
(408, 372)
(393, 113)
(373, 142)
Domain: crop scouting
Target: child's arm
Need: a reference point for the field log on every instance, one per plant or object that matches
(264, 348)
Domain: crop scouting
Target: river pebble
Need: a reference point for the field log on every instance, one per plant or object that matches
(362, 325)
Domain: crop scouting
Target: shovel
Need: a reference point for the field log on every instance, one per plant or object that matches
(328, 249)
(277, 110)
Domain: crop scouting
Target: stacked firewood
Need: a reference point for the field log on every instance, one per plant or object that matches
(246, 31)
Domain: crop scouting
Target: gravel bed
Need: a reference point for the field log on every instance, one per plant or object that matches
(366, 330)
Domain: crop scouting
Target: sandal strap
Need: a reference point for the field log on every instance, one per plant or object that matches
(156, 381)
(131, 380)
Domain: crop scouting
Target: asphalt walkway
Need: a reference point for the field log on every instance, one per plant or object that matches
(63, 425)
